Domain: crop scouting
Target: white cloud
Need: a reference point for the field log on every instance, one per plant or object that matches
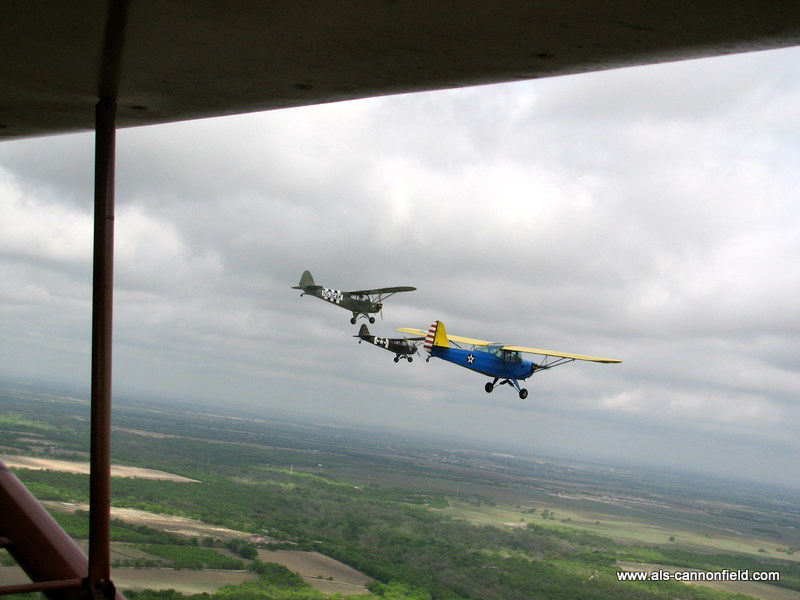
(38, 226)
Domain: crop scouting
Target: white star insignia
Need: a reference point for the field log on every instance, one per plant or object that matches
(470, 359)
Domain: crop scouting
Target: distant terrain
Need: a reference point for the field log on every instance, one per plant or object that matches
(71, 466)
(206, 501)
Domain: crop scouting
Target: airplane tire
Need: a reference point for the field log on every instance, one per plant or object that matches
(523, 393)
(353, 321)
(396, 359)
(372, 319)
(488, 387)
(410, 359)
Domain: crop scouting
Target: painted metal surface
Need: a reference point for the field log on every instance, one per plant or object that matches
(189, 59)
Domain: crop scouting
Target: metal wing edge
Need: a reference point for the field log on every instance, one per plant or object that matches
(418, 332)
(598, 359)
(452, 338)
(466, 340)
(387, 290)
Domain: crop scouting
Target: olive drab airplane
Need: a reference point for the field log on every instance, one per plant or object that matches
(504, 363)
(402, 347)
(360, 303)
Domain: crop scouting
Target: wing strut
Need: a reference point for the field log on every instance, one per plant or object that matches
(99, 576)
(57, 567)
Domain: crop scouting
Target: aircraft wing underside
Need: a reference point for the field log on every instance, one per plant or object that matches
(386, 290)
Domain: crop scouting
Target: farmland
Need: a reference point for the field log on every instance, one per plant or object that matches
(362, 512)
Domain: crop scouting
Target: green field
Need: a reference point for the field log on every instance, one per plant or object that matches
(658, 520)
(410, 518)
(657, 530)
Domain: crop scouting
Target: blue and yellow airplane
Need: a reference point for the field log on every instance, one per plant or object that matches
(504, 363)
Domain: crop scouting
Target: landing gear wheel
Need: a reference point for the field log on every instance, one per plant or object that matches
(372, 319)
(353, 321)
(410, 359)
(523, 393)
(396, 359)
(488, 387)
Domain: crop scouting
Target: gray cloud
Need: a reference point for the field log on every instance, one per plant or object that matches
(649, 214)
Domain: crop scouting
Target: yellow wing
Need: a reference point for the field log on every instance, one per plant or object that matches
(562, 354)
(412, 331)
(452, 338)
(466, 340)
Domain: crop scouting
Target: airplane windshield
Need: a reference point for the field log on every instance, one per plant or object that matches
(496, 349)
(490, 349)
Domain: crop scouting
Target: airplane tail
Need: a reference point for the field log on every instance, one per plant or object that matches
(363, 332)
(306, 280)
(437, 336)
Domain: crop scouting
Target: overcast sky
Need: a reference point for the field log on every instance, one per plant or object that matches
(648, 214)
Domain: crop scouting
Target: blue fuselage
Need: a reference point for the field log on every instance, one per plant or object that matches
(489, 360)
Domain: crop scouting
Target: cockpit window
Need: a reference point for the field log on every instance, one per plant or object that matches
(495, 349)
(511, 356)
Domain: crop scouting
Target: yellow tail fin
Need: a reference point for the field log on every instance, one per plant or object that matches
(437, 336)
